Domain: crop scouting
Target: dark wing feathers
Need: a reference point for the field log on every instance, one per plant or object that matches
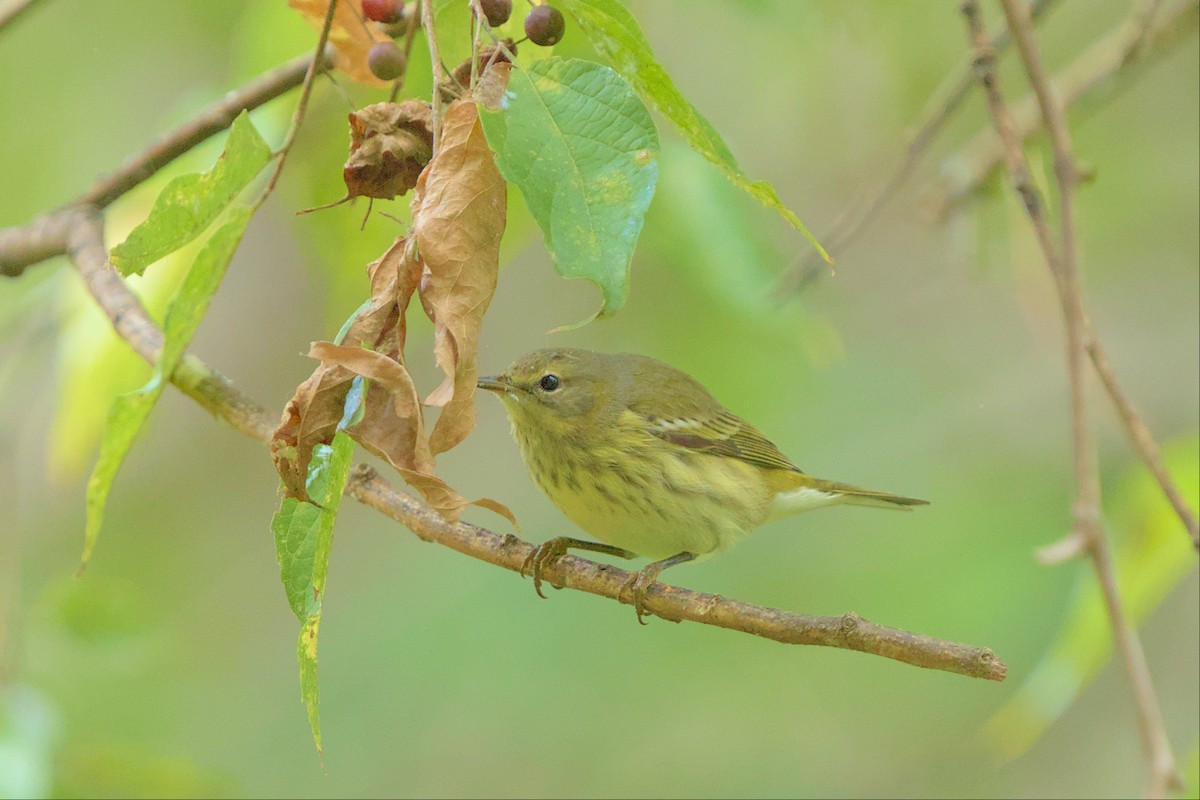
(722, 435)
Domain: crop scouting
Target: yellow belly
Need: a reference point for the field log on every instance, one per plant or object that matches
(652, 499)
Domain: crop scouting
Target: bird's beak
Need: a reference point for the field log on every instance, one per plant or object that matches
(498, 383)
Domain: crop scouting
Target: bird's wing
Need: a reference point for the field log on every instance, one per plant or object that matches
(722, 434)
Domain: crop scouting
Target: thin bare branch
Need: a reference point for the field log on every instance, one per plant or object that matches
(1112, 63)
(310, 75)
(437, 68)
(45, 237)
(209, 122)
(409, 31)
(215, 393)
(1063, 266)
(1140, 438)
(23, 246)
(946, 100)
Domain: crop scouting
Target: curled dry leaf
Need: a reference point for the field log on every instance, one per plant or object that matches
(311, 416)
(390, 143)
(349, 36)
(459, 216)
(392, 426)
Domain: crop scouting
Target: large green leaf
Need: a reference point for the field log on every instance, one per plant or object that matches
(190, 203)
(303, 538)
(129, 411)
(583, 150)
(616, 35)
(1152, 553)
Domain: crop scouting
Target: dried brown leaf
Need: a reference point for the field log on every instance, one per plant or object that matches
(390, 143)
(350, 37)
(459, 218)
(311, 416)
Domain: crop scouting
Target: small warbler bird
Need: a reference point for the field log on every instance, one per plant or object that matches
(641, 456)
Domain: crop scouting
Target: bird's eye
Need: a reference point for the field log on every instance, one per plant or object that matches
(548, 383)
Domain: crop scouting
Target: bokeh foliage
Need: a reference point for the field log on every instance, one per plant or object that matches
(931, 365)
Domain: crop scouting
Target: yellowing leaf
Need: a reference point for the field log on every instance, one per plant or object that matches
(190, 203)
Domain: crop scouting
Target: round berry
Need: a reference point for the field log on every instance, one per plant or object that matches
(388, 11)
(496, 11)
(386, 61)
(545, 25)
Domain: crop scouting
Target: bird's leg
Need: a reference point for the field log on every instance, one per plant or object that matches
(640, 582)
(548, 551)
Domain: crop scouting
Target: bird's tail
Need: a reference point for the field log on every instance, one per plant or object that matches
(816, 493)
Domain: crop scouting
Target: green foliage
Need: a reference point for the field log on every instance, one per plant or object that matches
(617, 36)
(190, 203)
(130, 411)
(583, 150)
(1153, 554)
(303, 538)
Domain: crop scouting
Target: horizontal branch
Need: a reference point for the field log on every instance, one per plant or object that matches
(212, 120)
(848, 631)
(1122, 53)
(45, 237)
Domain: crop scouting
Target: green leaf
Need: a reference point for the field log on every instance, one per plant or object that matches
(189, 204)
(130, 411)
(583, 150)
(1153, 553)
(616, 35)
(303, 537)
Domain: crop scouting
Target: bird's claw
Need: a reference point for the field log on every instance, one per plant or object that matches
(639, 584)
(539, 558)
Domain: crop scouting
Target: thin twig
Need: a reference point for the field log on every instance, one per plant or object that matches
(848, 631)
(44, 237)
(1095, 76)
(212, 120)
(941, 106)
(13, 9)
(310, 76)
(1150, 25)
(1062, 264)
(408, 44)
(436, 66)
(1139, 437)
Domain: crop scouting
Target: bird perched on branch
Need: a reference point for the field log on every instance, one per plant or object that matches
(641, 456)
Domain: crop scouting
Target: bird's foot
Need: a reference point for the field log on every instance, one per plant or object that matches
(547, 552)
(639, 583)
(541, 555)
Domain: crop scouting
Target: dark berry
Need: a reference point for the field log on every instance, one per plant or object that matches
(545, 25)
(388, 11)
(386, 61)
(496, 11)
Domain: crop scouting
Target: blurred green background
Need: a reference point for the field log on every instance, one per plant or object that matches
(930, 365)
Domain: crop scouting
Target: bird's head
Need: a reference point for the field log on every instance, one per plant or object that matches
(559, 391)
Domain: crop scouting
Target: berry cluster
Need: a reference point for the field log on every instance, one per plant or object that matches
(544, 25)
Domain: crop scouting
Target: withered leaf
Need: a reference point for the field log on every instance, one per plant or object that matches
(390, 143)
(311, 416)
(458, 217)
(392, 425)
(350, 38)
